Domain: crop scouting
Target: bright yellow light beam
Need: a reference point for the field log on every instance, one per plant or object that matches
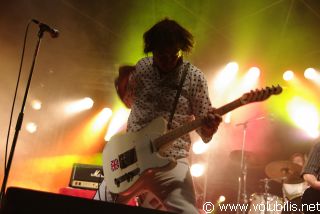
(117, 122)
(304, 115)
(226, 76)
(102, 119)
(312, 74)
(250, 79)
(92, 132)
(197, 170)
(80, 105)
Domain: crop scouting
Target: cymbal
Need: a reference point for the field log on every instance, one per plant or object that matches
(250, 158)
(284, 171)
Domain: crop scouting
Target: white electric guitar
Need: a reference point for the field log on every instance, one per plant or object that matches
(129, 157)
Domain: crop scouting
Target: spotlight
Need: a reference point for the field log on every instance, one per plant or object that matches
(31, 127)
(305, 115)
(80, 105)
(197, 170)
(118, 121)
(250, 79)
(226, 76)
(254, 73)
(36, 104)
(102, 118)
(199, 147)
(232, 67)
(311, 73)
(221, 199)
(288, 75)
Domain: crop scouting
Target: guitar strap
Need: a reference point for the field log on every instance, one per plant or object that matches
(183, 77)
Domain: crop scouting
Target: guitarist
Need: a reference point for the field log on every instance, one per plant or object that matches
(311, 173)
(149, 88)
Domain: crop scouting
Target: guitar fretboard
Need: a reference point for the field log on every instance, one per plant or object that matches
(186, 128)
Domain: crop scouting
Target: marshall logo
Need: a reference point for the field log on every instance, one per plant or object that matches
(97, 174)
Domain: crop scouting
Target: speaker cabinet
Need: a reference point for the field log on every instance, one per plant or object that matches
(21, 201)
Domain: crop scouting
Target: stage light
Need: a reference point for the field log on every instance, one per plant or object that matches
(226, 76)
(80, 105)
(102, 118)
(311, 74)
(92, 132)
(197, 170)
(119, 119)
(250, 79)
(199, 147)
(221, 199)
(232, 68)
(253, 73)
(31, 127)
(305, 116)
(36, 104)
(288, 75)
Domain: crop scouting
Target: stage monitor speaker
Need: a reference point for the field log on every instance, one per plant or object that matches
(20, 201)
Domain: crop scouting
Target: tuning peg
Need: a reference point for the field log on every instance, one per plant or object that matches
(279, 89)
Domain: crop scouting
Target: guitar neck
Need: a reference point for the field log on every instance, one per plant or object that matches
(186, 128)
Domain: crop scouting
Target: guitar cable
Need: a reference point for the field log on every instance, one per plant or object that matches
(99, 195)
(114, 197)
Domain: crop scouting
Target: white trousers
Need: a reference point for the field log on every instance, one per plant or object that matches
(174, 188)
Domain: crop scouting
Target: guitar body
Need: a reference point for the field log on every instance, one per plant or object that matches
(311, 197)
(141, 159)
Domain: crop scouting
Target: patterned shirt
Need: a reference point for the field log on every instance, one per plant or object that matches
(153, 94)
(313, 164)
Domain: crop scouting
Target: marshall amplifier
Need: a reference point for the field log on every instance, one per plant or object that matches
(86, 176)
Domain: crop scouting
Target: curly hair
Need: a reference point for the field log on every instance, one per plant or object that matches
(167, 33)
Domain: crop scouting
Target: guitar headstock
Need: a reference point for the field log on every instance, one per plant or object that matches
(260, 94)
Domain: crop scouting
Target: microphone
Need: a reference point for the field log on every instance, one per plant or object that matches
(53, 32)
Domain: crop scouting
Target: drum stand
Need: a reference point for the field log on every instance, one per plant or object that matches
(266, 192)
(266, 185)
(284, 198)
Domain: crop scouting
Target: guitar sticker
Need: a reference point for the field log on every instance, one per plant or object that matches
(114, 164)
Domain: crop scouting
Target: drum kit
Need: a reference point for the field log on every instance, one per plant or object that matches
(283, 172)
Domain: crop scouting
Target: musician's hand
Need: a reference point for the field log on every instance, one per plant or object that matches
(316, 185)
(312, 181)
(211, 124)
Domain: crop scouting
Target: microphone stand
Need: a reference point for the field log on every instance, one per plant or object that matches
(19, 121)
(242, 185)
(243, 167)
